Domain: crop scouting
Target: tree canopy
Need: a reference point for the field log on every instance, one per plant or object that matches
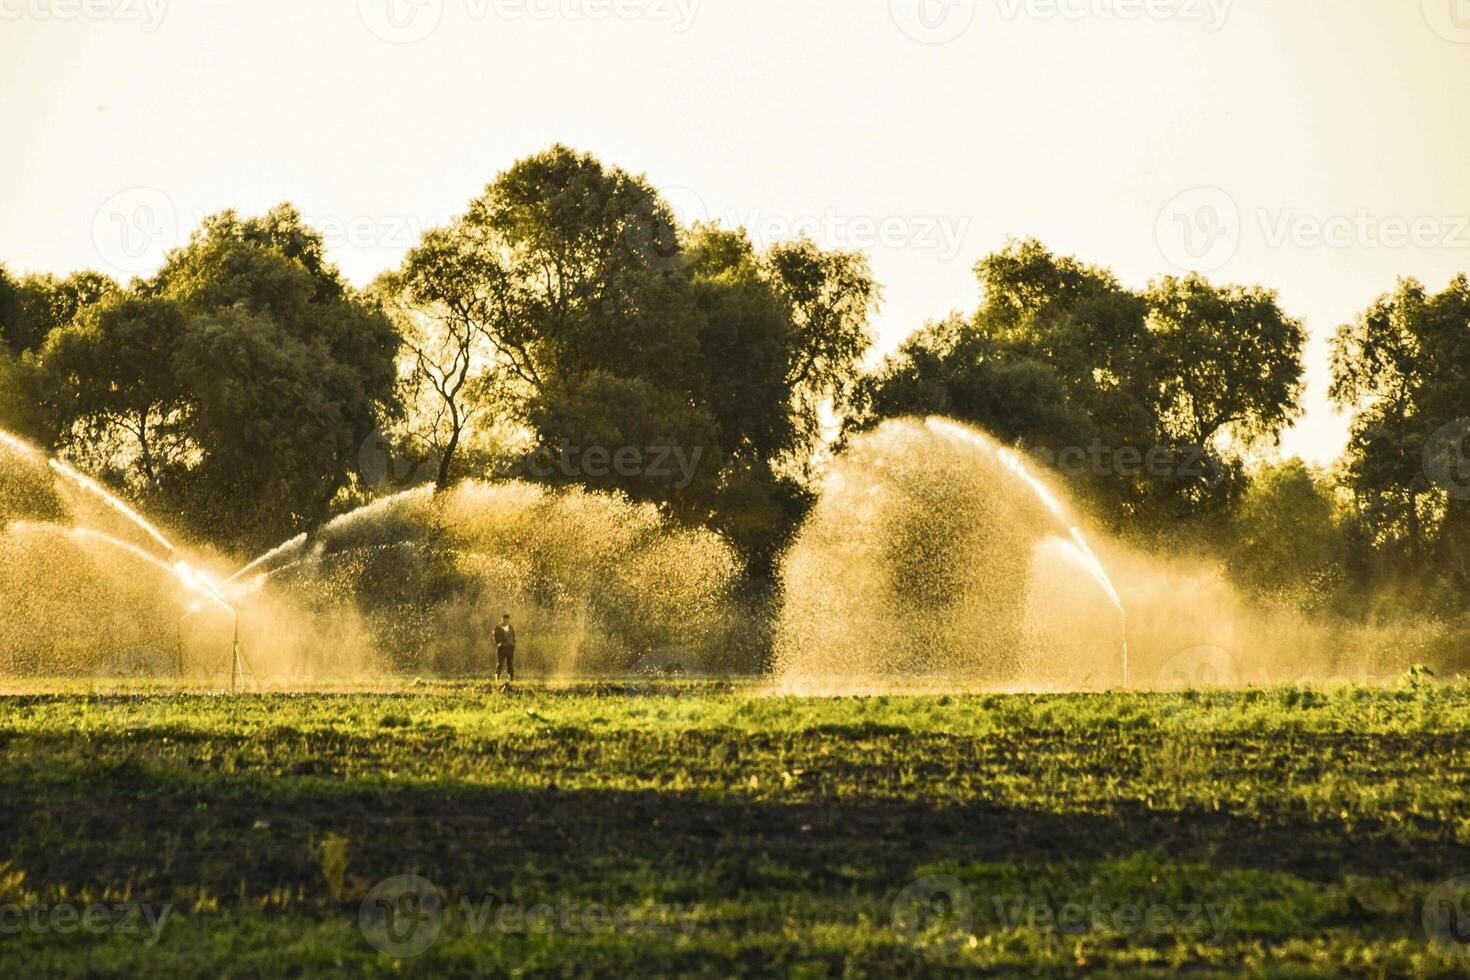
(1161, 390)
(234, 388)
(1403, 368)
(566, 329)
(607, 328)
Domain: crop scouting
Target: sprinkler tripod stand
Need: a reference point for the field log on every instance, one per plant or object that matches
(1125, 650)
(238, 666)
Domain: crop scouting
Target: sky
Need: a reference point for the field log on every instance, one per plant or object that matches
(1317, 147)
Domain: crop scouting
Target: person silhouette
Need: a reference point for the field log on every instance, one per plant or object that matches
(505, 648)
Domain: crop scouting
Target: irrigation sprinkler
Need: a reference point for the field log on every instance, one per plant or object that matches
(237, 666)
(192, 579)
(1125, 649)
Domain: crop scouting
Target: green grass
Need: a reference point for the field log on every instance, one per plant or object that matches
(1270, 832)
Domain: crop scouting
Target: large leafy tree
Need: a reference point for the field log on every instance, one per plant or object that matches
(1060, 357)
(747, 343)
(1227, 377)
(447, 379)
(11, 310)
(112, 375)
(33, 306)
(31, 309)
(557, 271)
(830, 296)
(238, 385)
(1403, 367)
(20, 410)
(950, 368)
(1287, 540)
(1079, 321)
(595, 322)
(1228, 359)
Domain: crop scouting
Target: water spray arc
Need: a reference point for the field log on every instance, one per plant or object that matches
(281, 549)
(186, 574)
(1076, 542)
(97, 490)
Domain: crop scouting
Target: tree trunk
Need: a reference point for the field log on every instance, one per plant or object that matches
(1414, 532)
(149, 470)
(446, 459)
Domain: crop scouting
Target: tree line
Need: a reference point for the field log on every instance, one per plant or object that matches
(566, 329)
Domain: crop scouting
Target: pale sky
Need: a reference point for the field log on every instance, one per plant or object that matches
(1320, 147)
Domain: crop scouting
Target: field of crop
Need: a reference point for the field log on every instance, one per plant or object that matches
(465, 830)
